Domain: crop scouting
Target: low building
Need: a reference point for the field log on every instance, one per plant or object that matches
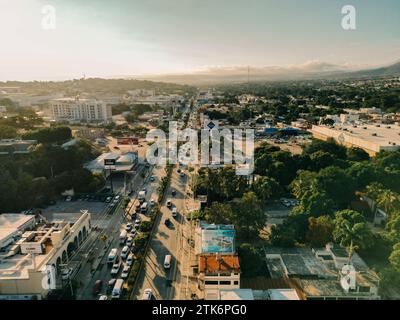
(371, 138)
(117, 163)
(316, 273)
(217, 272)
(33, 252)
(214, 238)
(249, 294)
(14, 146)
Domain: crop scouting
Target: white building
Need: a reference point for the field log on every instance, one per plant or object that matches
(371, 138)
(81, 110)
(33, 252)
(218, 272)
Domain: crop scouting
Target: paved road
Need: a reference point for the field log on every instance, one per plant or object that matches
(99, 248)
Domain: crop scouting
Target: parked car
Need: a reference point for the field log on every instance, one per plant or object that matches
(68, 198)
(173, 192)
(169, 203)
(97, 287)
(103, 297)
(152, 178)
(152, 202)
(129, 226)
(174, 212)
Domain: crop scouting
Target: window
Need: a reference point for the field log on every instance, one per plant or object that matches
(211, 283)
(235, 282)
(225, 283)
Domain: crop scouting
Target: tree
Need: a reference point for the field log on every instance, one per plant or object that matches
(219, 213)
(320, 231)
(266, 188)
(393, 227)
(329, 146)
(248, 216)
(389, 200)
(357, 154)
(394, 258)
(292, 230)
(352, 231)
(7, 132)
(252, 262)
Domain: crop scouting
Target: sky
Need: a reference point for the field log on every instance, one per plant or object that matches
(104, 38)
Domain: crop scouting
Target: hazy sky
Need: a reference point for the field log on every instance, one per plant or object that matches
(128, 37)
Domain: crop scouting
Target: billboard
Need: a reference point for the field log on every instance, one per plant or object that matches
(218, 241)
(109, 162)
(31, 247)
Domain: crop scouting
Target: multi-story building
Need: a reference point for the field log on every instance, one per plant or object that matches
(81, 110)
(218, 271)
(33, 252)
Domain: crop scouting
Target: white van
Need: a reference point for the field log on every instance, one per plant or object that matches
(167, 261)
(112, 256)
(122, 236)
(117, 291)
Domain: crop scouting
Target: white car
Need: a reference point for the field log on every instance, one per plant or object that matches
(152, 202)
(174, 212)
(128, 226)
(115, 268)
(103, 297)
(147, 294)
(169, 203)
(130, 259)
(125, 272)
(66, 274)
(68, 198)
(125, 252)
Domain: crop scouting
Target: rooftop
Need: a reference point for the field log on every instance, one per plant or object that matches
(212, 264)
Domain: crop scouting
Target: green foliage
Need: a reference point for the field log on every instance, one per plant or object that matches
(395, 257)
(351, 230)
(266, 188)
(319, 231)
(7, 132)
(252, 261)
(219, 213)
(293, 230)
(50, 135)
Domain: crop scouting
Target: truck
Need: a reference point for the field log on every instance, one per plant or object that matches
(112, 256)
(122, 237)
(117, 290)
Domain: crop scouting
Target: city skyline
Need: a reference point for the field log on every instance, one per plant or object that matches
(100, 39)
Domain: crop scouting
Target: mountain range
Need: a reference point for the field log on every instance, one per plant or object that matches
(312, 70)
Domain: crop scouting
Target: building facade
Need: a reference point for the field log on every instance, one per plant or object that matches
(81, 110)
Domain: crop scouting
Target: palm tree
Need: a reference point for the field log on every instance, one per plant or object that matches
(389, 201)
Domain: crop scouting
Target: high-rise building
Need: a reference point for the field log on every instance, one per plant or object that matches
(81, 110)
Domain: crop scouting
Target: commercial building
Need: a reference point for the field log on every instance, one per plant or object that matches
(373, 138)
(14, 146)
(116, 163)
(316, 273)
(33, 252)
(250, 295)
(76, 110)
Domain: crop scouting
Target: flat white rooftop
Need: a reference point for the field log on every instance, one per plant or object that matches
(283, 294)
(236, 294)
(375, 137)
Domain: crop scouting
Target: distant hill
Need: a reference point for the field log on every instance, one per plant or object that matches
(389, 71)
(313, 70)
